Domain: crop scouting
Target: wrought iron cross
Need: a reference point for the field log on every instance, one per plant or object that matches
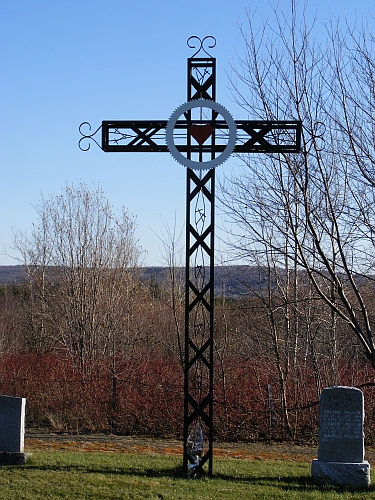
(200, 134)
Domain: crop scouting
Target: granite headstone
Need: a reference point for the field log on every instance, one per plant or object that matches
(12, 430)
(341, 442)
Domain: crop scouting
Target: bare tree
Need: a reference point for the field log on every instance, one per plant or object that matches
(81, 262)
(172, 295)
(315, 209)
(10, 332)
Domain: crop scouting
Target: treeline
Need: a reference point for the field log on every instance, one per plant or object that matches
(95, 346)
(117, 366)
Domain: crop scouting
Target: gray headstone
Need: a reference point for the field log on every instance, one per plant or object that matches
(341, 443)
(12, 424)
(341, 425)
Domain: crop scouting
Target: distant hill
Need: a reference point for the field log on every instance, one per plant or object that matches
(11, 274)
(231, 281)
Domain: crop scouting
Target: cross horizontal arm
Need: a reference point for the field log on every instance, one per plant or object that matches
(253, 136)
(268, 136)
(134, 136)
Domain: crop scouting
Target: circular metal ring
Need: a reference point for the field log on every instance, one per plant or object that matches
(201, 165)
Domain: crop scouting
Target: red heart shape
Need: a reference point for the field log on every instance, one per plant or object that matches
(201, 132)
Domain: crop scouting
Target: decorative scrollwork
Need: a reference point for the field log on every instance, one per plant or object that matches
(87, 136)
(193, 45)
(316, 139)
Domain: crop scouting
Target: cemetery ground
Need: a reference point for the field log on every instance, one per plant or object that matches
(122, 467)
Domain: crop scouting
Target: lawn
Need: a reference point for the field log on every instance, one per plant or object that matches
(111, 475)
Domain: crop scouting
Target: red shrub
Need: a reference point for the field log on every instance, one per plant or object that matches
(147, 398)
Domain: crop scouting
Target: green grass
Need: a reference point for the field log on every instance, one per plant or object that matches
(83, 475)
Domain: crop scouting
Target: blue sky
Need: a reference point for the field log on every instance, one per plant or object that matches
(65, 62)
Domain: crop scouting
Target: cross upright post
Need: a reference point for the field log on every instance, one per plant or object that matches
(199, 292)
(200, 134)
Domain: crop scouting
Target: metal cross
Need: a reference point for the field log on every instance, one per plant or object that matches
(200, 135)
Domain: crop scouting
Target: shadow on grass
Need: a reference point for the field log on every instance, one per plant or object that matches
(302, 483)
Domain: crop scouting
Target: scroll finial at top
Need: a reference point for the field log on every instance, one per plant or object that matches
(193, 45)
